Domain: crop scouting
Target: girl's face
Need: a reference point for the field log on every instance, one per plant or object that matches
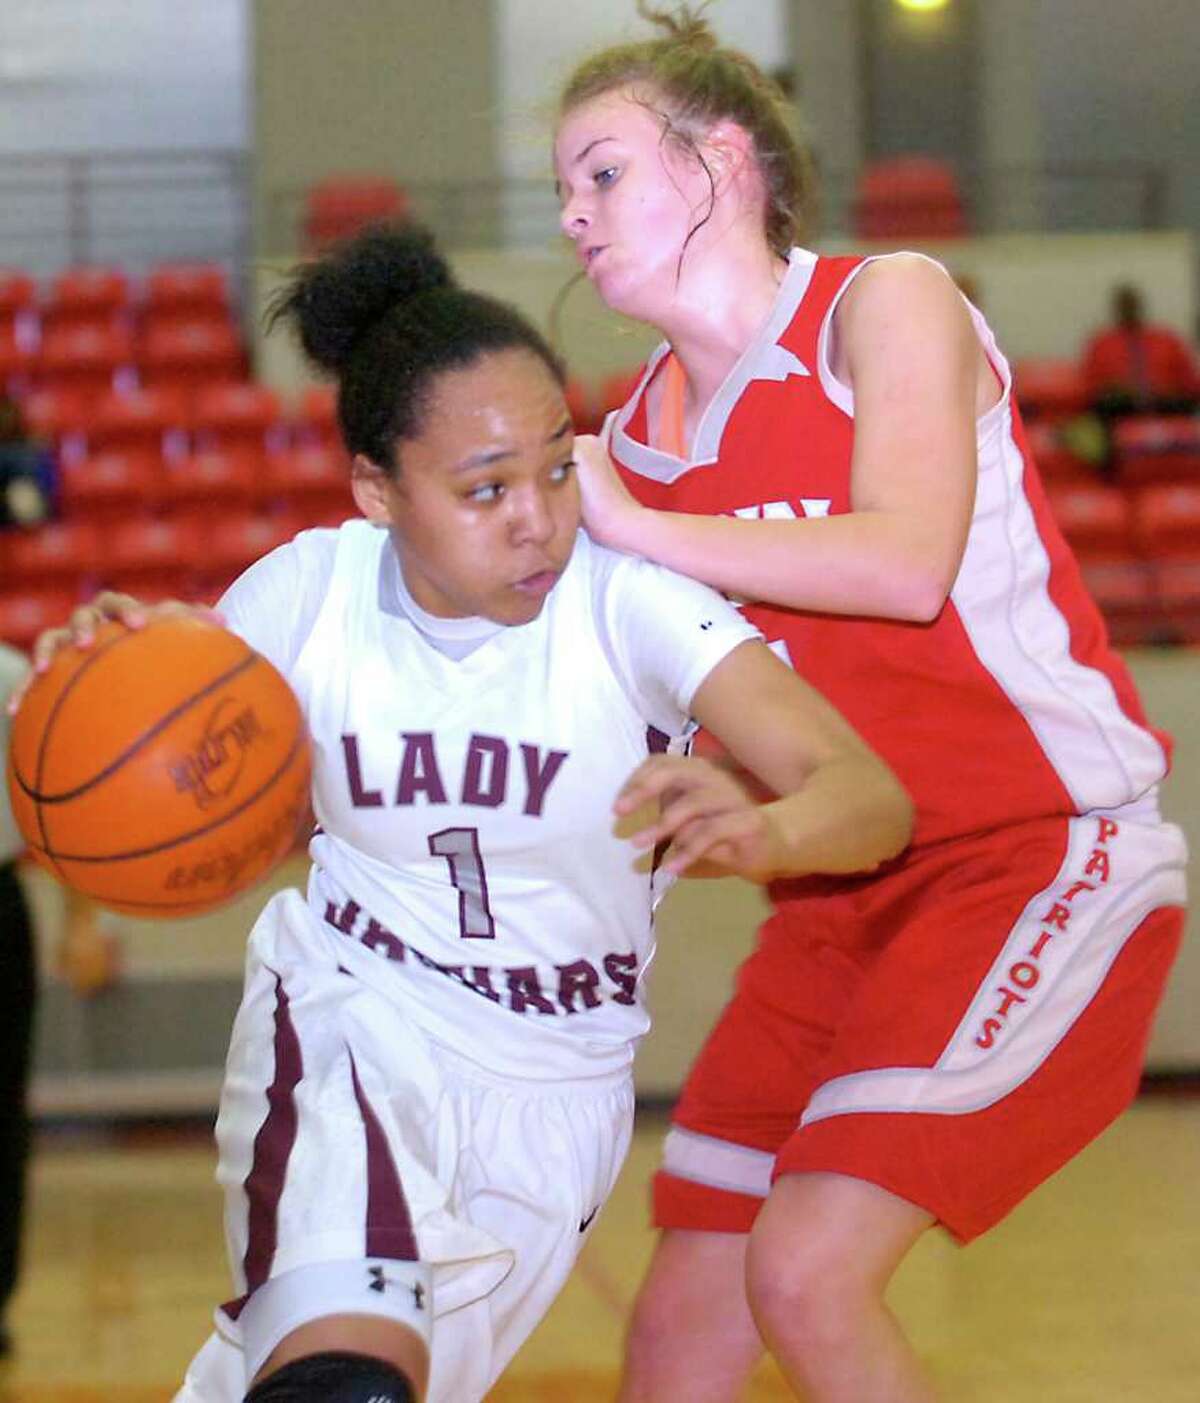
(629, 200)
(484, 505)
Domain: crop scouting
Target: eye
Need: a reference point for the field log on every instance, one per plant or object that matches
(485, 492)
(605, 176)
(562, 471)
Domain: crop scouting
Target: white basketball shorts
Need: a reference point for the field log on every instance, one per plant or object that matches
(367, 1169)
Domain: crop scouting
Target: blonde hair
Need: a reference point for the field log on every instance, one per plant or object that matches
(701, 82)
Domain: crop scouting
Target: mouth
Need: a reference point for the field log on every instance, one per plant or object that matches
(538, 585)
(588, 256)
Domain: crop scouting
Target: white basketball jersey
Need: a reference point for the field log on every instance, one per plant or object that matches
(467, 860)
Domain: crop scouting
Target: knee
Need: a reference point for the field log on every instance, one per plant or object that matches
(807, 1287)
(334, 1377)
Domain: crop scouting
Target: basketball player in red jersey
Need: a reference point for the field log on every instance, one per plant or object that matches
(834, 440)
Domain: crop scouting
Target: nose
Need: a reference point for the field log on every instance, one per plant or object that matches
(573, 219)
(531, 522)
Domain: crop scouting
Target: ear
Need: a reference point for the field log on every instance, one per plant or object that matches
(729, 151)
(369, 484)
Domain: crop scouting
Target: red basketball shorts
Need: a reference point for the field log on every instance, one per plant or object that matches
(953, 1030)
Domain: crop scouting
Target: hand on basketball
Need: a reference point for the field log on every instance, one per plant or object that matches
(608, 507)
(714, 826)
(80, 629)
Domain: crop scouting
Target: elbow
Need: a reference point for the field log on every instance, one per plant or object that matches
(922, 597)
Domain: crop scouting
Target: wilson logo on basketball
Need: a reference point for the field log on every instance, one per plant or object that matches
(210, 771)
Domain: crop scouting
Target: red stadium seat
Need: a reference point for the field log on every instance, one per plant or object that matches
(245, 417)
(1166, 520)
(106, 487)
(909, 197)
(18, 291)
(311, 479)
(1177, 583)
(1156, 448)
(341, 205)
(57, 418)
(63, 551)
(176, 287)
(1049, 386)
(189, 355)
(313, 419)
(17, 363)
(90, 360)
(212, 478)
(151, 419)
(1123, 587)
(1096, 520)
(1056, 460)
(155, 559)
(25, 613)
(237, 539)
(86, 296)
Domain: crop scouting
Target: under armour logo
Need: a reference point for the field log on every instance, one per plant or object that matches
(585, 1223)
(380, 1282)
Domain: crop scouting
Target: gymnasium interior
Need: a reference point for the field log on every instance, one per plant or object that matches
(162, 167)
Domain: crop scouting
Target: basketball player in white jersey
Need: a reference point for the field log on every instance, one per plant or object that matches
(428, 1093)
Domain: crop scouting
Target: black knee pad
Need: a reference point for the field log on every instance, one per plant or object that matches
(334, 1378)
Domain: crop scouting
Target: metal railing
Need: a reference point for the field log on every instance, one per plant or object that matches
(132, 208)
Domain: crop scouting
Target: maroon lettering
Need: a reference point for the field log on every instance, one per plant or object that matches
(481, 750)
(525, 991)
(1108, 829)
(579, 978)
(481, 981)
(342, 920)
(377, 937)
(360, 797)
(419, 770)
(539, 775)
(1075, 888)
(622, 970)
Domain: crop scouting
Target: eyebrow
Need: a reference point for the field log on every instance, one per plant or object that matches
(575, 160)
(498, 455)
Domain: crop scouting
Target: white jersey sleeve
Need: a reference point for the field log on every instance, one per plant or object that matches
(274, 604)
(663, 633)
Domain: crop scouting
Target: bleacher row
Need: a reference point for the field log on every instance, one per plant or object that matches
(170, 470)
(173, 471)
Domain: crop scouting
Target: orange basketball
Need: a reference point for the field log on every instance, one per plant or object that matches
(163, 770)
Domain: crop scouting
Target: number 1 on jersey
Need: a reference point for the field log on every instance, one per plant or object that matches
(460, 848)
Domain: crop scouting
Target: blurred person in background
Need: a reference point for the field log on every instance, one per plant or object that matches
(1136, 366)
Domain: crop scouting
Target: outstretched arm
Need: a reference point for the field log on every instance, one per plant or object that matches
(840, 808)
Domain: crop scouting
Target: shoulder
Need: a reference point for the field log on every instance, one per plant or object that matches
(906, 302)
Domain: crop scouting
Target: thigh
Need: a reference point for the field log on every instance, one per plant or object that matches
(1006, 1023)
(540, 1170)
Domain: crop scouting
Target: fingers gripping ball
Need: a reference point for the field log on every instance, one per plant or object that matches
(163, 770)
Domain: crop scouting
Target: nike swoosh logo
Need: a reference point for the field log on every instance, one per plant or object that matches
(585, 1223)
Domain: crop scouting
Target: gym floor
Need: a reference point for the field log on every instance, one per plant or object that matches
(1087, 1294)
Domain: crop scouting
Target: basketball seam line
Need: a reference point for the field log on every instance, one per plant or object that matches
(297, 745)
(38, 797)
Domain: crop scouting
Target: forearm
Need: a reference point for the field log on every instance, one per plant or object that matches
(850, 815)
(861, 562)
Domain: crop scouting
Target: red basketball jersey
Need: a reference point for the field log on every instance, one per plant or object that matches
(1010, 704)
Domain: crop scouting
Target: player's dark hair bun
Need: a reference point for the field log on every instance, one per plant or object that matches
(337, 299)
